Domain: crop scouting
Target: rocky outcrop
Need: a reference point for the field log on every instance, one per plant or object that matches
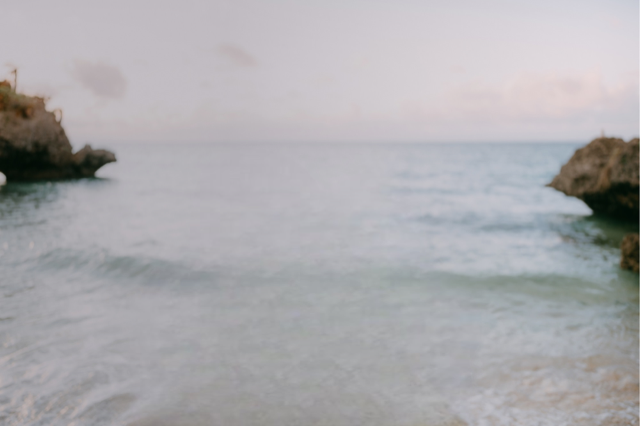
(603, 174)
(34, 146)
(629, 248)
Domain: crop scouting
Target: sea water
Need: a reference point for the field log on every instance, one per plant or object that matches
(315, 284)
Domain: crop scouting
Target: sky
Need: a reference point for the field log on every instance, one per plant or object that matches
(314, 71)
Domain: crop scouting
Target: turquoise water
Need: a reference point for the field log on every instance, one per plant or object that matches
(334, 284)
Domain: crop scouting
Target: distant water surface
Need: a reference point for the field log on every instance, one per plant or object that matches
(327, 284)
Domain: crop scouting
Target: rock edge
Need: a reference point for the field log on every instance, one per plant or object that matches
(603, 174)
(630, 250)
(34, 146)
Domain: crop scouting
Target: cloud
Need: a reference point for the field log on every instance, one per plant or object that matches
(543, 96)
(236, 55)
(103, 80)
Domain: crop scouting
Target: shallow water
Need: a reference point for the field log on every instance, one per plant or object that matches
(283, 284)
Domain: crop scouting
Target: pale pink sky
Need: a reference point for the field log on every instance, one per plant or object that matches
(350, 70)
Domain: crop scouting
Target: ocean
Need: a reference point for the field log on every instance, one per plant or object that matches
(317, 285)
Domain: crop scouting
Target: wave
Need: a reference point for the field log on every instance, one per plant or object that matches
(141, 269)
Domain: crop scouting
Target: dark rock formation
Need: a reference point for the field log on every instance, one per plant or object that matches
(33, 144)
(603, 174)
(629, 248)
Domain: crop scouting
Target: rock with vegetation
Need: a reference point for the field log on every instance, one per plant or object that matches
(34, 146)
(629, 248)
(603, 174)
